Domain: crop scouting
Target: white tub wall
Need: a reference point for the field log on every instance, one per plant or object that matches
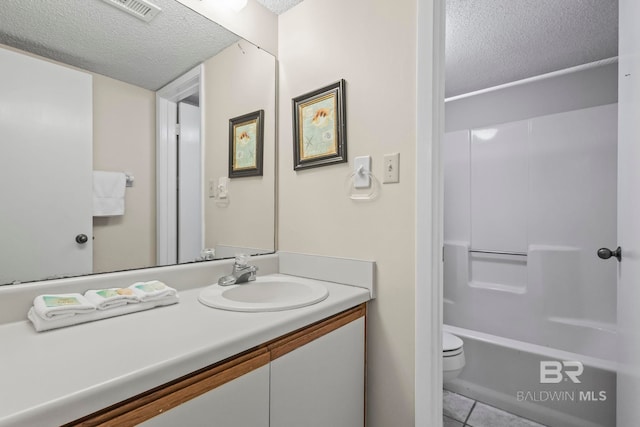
(457, 188)
(563, 295)
(573, 197)
(499, 166)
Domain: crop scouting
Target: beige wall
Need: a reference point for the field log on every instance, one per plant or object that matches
(124, 141)
(372, 45)
(247, 218)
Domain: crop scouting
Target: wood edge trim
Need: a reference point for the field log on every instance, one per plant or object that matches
(170, 401)
(289, 343)
(103, 416)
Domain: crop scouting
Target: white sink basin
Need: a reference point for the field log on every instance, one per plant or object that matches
(264, 294)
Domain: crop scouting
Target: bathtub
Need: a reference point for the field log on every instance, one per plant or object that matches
(506, 373)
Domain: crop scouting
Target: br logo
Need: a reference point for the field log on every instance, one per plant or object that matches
(553, 372)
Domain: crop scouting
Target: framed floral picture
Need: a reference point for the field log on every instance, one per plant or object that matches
(246, 145)
(319, 127)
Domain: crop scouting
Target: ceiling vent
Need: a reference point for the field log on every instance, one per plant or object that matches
(141, 9)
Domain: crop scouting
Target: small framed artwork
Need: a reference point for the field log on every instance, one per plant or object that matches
(246, 145)
(319, 127)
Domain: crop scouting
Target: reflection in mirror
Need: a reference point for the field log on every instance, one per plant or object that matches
(82, 85)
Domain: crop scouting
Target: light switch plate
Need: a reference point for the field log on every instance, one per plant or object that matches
(391, 168)
(362, 177)
(223, 187)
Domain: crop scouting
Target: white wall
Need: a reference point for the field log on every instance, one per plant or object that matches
(372, 45)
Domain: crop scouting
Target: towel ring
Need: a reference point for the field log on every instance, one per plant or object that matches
(375, 186)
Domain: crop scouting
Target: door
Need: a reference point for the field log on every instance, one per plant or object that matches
(628, 410)
(321, 383)
(190, 238)
(243, 401)
(45, 143)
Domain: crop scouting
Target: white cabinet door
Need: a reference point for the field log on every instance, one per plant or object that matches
(46, 146)
(322, 383)
(241, 402)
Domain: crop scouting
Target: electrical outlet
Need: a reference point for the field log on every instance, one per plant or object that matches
(391, 168)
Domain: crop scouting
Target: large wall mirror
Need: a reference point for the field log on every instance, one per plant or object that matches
(89, 96)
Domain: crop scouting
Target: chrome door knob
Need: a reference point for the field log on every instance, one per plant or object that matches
(82, 239)
(606, 253)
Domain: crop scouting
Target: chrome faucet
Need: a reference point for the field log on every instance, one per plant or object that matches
(242, 272)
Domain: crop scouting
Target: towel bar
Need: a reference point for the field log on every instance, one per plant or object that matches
(497, 252)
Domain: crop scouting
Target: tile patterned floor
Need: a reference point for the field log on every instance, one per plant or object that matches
(460, 411)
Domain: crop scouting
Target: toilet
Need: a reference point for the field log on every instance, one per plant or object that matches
(452, 356)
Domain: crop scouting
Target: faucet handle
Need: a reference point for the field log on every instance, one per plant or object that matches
(242, 260)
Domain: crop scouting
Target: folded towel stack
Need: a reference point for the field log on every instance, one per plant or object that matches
(105, 299)
(154, 291)
(57, 311)
(61, 306)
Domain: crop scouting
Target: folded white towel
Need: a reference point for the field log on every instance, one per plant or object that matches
(108, 193)
(105, 299)
(41, 324)
(61, 305)
(153, 291)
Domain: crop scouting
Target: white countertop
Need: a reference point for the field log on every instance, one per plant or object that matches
(54, 377)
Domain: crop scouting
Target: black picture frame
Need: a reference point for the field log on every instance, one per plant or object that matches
(246, 145)
(320, 127)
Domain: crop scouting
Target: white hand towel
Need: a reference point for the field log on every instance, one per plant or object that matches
(153, 291)
(108, 193)
(41, 324)
(105, 299)
(62, 305)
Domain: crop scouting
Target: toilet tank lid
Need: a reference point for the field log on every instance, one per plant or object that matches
(450, 342)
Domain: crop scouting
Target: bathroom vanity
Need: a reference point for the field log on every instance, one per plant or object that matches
(314, 376)
(190, 364)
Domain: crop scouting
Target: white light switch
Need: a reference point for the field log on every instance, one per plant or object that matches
(391, 168)
(223, 187)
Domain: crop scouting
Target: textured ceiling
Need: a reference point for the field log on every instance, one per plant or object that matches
(278, 6)
(95, 36)
(492, 42)
(489, 42)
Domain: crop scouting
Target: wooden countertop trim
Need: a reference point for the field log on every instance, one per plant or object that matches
(169, 401)
(214, 376)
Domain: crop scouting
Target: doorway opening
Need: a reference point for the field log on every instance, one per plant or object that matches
(180, 211)
(529, 160)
